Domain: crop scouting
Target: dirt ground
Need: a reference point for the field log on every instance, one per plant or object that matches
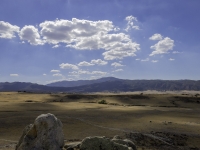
(153, 120)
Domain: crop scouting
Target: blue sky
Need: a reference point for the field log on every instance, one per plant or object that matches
(44, 41)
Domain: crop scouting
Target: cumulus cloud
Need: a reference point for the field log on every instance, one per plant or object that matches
(14, 75)
(115, 64)
(99, 73)
(7, 30)
(99, 62)
(176, 52)
(57, 75)
(118, 70)
(93, 62)
(121, 50)
(163, 46)
(89, 35)
(68, 31)
(44, 74)
(30, 34)
(156, 37)
(79, 34)
(56, 46)
(147, 59)
(137, 59)
(68, 66)
(130, 24)
(80, 72)
(154, 61)
(55, 71)
(85, 63)
(171, 59)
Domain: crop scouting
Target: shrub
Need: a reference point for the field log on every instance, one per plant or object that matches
(102, 102)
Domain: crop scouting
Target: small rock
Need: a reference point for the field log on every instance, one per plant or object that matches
(125, 142)
(101, 143)
(72, 146)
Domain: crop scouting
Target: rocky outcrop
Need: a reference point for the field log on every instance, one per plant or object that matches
(45, 134)
(101, 143)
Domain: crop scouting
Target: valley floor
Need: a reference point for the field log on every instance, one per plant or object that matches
(152, 120)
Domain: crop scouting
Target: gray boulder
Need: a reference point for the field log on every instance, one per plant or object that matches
(73, 146)
(126, 142)
(45, 134)
(119, 140)
(101, 143)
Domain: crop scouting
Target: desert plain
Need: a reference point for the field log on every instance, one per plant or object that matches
(151, 119)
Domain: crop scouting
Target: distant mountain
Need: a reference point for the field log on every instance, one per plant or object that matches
(80, 82)
(106, 84)
(29, 87)
(139, 85)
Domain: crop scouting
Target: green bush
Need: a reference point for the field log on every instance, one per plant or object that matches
(102, 102)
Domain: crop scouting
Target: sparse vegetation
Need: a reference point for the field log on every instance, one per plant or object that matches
(102, 102)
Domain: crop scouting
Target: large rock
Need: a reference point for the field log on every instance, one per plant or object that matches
(101, 143)
(45, 134)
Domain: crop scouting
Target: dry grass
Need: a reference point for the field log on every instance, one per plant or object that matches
(82, 116)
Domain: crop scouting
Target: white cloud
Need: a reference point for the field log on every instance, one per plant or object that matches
(68, 31)
(68, 66)
(30, 34)
(162, 46)
(14, 75)
(93, 62)
(154, 61)
(130, 24)
(7, 30)
(118, 70)
(115, 64)
(44, 74)
(89, 35)
(116, 29)
(83, 35)
(156, 37)
(137, 59)
(73, 75)
(101, 73)
(57, 75)
(85, 63)
(176, 52)
(98, 62)
(171, 59)
(121, 50)
(55, 71)
(82, 72)
(147, 59)
(56, 46)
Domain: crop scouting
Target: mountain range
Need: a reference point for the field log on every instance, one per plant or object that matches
(108, 84)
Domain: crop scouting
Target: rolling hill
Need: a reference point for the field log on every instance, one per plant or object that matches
(80, 82)
(104, 84)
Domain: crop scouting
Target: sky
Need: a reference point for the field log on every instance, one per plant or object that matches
(44, 41)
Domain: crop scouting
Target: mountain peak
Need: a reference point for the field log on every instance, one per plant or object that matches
(81, 82)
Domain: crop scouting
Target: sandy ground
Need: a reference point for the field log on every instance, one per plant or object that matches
(150, 113)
